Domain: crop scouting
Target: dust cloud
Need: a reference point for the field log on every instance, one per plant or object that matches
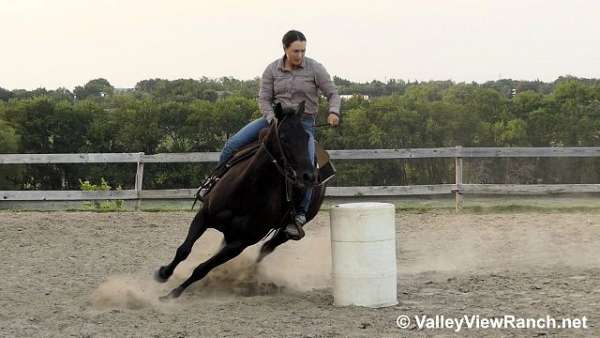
(293, 267)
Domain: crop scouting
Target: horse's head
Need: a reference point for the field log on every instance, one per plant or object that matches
(294, 142)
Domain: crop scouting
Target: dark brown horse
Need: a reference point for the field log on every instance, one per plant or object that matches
(254, 197)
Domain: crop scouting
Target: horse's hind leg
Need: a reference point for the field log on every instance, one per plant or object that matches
(196, 230)
(229, 251)
(279, 238)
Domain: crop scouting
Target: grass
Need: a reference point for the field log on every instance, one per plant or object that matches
(514, 208)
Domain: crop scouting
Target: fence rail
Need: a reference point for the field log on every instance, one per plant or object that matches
(346, 154)
(458, 188)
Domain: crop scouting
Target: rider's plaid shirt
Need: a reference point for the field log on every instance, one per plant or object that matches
(292, 87)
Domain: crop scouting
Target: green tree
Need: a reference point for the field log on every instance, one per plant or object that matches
(137, 125)
(10, 175)
(5, 95)
(96, 88)
(234, 112)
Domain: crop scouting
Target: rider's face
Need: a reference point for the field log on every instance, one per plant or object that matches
(295, 53)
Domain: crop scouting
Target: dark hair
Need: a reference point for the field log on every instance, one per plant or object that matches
(292, 36)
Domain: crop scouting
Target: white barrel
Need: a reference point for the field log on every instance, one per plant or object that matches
(363, 252)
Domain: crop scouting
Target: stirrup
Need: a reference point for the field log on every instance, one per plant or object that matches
(201, 194)
(205, 188)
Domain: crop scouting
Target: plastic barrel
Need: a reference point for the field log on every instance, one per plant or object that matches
(363, 245)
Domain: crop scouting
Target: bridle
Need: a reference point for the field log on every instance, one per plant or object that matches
(284, 168)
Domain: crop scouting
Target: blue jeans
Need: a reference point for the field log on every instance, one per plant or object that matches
(249, 134)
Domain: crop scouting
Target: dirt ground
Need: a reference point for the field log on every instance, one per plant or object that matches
(79, 274)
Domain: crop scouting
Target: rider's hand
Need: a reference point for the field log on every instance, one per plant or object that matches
(333, 120)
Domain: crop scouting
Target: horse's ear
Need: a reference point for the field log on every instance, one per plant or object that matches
(300, 109)
(278, 111)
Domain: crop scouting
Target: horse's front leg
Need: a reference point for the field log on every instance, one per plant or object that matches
(196, 230)
(229, 251)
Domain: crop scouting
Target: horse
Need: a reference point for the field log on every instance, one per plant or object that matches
(253, 198)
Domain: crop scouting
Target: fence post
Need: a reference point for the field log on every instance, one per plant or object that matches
(139, 179)
(458, 179)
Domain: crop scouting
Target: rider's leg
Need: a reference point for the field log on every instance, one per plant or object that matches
(311, 156)
(243, 137)
(294, 231)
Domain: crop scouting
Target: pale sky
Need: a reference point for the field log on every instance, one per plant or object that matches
(56, 43)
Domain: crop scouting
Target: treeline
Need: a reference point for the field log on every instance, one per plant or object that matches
(199, 115)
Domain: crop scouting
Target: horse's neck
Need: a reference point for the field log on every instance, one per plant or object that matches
(260, 167)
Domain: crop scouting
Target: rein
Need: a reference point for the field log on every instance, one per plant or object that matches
(289, 174)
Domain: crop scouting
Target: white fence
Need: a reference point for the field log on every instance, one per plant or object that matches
(458, 188)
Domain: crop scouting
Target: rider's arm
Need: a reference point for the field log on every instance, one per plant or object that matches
(265, 94)
(328, 89)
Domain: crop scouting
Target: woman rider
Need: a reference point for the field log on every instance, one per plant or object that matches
(290, 80)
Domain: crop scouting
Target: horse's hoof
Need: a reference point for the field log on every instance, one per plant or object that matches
(159, 275)
(295, 233)
(172, 295)
(260, 257)
(165, 298)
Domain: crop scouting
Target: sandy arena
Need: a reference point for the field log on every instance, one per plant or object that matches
(79, 274)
